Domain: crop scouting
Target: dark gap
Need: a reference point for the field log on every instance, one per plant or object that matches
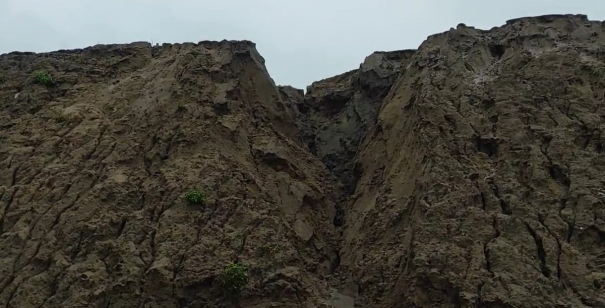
(410, 103)
(334, 102)
(557, 174)
(570, 227)
(588, 302)
(54, 285)
(559, 251)
(505, 208)
(456, 298)
(14, 177)
(496, 190)
(495, 226)
(76, 250)
(335, 262)
(488, 146)
(483, 204)
(496, 50)
(303, 108)
(339, 217)
(356, 175)
(488, 265)
(541, 252)
(450, 120)
(312, 147)
(562, 204)
(546, 139)
(377, 130)
(221, 109)
(488, 103)
(122, 226)
(469, 67)
(479, 297)
(587, 139)
(541, 219)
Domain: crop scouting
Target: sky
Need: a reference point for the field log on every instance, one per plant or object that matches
(301, 40)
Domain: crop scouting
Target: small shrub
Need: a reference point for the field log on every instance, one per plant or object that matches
(43, 78)
(2, 80)
(234, 278)
(195, 197)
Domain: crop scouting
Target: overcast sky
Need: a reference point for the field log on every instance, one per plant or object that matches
(301, 40)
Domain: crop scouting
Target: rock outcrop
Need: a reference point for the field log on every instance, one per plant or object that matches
(467, 173)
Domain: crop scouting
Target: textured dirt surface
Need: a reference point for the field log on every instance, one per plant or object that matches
(94, 169)
(482, 181)
(339, 111)
(467, 173)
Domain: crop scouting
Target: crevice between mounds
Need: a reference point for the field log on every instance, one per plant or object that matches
(336, 113)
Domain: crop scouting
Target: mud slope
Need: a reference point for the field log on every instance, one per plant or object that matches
(482, 182)
(93, 171)
(467, 173)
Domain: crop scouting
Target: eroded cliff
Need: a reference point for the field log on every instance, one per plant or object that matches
(467, 173)
(94, 169)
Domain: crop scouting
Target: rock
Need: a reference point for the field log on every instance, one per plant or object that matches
(303, 230)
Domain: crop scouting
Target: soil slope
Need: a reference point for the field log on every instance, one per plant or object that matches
(95, 167)
(467, 173)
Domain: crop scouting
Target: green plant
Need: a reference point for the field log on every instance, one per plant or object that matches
(43, 78)
(195, 197)
(234, 278)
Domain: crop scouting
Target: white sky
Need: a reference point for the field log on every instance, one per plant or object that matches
(301, 41)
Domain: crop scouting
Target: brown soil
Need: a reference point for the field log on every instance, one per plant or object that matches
(467, 173)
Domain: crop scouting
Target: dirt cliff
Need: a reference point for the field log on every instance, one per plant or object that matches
(467, 173)
(95, 167)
